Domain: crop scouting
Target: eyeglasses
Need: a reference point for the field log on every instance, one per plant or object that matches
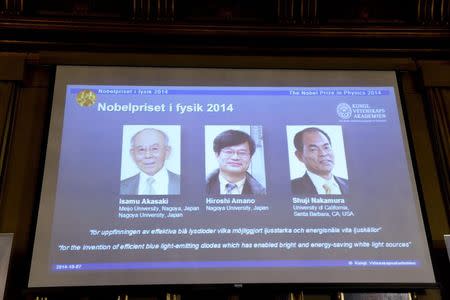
(154, 150)
(240, 153)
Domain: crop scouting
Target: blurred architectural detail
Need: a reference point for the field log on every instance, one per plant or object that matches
(433, 12)
(153, 10)
(142, 9)
(298, 11)
(11, 7)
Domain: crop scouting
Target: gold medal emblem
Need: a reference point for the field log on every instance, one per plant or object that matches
(86, 98)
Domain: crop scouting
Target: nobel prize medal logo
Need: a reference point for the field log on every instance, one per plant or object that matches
(86, 98)
(344, 111)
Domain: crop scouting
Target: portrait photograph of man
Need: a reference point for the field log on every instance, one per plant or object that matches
(150, 160)
(317, 160)
(234, 160)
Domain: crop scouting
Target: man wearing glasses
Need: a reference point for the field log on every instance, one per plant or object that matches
(149, 150)
(233, 150)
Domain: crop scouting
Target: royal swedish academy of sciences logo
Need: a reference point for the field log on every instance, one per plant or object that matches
(86, 98)
(344, 111)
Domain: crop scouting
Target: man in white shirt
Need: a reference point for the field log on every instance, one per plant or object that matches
(149, 150)
(314, 149)
(234, 150)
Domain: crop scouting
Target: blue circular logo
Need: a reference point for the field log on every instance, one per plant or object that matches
(344, 111)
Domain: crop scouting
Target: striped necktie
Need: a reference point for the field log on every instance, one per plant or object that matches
(229, 187)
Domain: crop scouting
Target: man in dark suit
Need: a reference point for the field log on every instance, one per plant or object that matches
(234, 150)
(314, 149)
(149, 150)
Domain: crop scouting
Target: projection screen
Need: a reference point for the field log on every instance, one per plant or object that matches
(212, 176)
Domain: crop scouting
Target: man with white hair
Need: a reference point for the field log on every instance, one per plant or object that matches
(150, 149)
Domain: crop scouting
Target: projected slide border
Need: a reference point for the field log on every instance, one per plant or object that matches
(120, 143)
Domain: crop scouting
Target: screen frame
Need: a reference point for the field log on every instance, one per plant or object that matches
(252, 287)
(415, 168)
